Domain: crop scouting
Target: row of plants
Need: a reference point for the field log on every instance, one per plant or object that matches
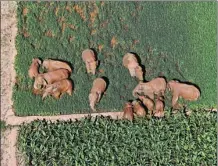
(173, 140)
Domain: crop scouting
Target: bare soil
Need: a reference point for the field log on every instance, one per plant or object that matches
(8, 147)
(8, 52)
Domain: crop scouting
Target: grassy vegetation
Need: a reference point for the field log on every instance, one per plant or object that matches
(176, 140)
(174, 39)
(3, 125)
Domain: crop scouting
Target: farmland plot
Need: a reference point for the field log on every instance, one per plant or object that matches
(172, 39)
(176, 140)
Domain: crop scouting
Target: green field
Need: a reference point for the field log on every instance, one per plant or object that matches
(176, 140)
(172, 39)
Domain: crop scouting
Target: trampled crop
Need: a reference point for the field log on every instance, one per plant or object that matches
(173, 39)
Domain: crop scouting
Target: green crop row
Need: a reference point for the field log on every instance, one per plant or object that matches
(176, 140)
(172, 39)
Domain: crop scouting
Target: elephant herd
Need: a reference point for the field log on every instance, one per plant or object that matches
(149, 96)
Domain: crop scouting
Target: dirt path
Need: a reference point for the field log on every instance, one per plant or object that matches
(8, 53)
(8, 147)
(13, 120)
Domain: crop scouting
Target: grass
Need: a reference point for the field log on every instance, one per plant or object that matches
(173, 39)
(3, 125)
(174, 140)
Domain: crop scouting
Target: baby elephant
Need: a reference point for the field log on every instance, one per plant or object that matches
(99, 86)
(48, 78)
(156, 86)
(90, 60)
(148, 103)
(58, 88)
(159, 108)
(131, 63)
(34, 68)
(128, 111)
(51, 65)
(186, 91)
(138, 109)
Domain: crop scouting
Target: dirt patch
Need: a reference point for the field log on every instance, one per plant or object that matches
(8, 53)
(49, 33)
(94, 13)
(8, 147)
(80, 11)
(113, 42)
(14, 120)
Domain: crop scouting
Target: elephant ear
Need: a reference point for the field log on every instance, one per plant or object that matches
(168, 87)
(45, 82)
(54, 89)
(36, 83)
(97, 63)
(49, 88)
(39, 61)
(141, 87)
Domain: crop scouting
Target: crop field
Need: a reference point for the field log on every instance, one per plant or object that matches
(102, 141)
(172, 39)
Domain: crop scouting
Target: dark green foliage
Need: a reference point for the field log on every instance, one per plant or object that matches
(174, 140)
(3, 125)
(173, 39)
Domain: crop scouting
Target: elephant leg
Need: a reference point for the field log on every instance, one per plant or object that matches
(45, 94)
(175, 105)
(56, 95)
(99, 97)
(69, 91)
